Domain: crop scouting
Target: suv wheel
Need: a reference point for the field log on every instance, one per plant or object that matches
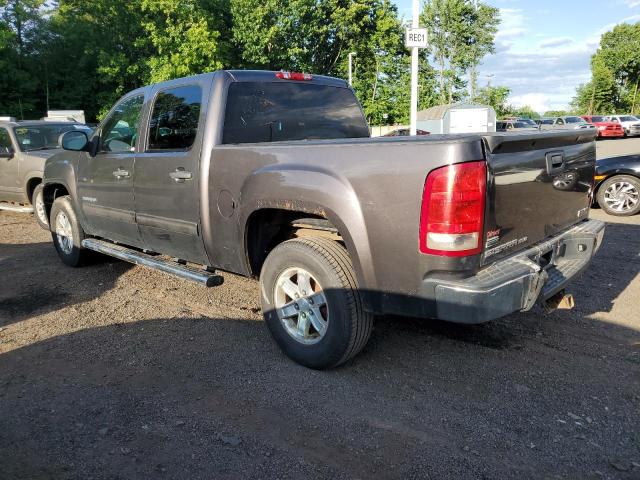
(620, 195)
(67, 233)
(39, 208)
(311, 303)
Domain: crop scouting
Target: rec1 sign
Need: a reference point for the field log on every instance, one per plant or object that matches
(416, 38)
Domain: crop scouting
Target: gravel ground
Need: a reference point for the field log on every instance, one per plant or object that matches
(114, 371)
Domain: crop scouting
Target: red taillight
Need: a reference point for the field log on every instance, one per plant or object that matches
(294, 76)
(452, 217)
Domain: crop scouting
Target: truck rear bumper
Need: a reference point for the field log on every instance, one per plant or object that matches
(518, 282)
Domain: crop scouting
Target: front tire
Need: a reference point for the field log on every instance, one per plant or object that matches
(620, 195)
(67, 233)
(311, 302)
(39, 208)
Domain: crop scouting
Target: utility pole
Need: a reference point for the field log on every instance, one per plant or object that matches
(351, 55)
(414, 73)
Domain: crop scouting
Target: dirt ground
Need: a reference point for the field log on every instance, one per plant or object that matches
(117, 372)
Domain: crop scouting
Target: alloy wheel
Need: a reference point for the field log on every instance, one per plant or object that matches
(301, 305)
(64, 233)
(621, 196)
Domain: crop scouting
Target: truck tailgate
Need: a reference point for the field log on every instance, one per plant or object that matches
(539, 184)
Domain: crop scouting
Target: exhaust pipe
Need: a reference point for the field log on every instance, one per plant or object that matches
(560, 301)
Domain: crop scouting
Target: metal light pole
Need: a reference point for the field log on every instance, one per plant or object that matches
(414, 73)
(351, 55)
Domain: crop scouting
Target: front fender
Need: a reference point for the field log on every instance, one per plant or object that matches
(316, 191)
(61, 170)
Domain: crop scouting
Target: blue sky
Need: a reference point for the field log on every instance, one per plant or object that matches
(543, 47)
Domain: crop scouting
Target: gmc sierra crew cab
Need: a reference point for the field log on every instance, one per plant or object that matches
(274, 175)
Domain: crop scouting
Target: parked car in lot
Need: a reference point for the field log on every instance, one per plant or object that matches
(404, 132)
(617, 185)
(606, 129)
(569, 122)
(630, 124)
(24, 147)
(544, 123)
(273, 175)
(517, 125)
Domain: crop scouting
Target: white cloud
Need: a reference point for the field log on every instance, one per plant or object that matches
(512, 24)
(544, 73)
(632, 3)
(556, 42)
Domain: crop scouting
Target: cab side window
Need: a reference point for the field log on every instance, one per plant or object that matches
(119, 132)
(5, 141)
(175, 117)
(560, 122)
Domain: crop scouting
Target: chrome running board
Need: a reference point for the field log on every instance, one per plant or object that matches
(203, 277)
(11, 207)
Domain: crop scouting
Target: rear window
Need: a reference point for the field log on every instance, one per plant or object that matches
(628, 118)
(575, 120)
(260, 112)
(597, 119)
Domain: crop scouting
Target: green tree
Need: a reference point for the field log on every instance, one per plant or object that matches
(459, 35)
(555, 113)
(496, 97)
(615, 74)
(526, 112)
(21, 77)
(600, 94)
(183, 39)
(317, 35)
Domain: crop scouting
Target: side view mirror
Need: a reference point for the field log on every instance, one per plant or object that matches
(6, 153)
(74, 140)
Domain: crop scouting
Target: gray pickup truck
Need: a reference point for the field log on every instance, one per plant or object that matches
(273, 175)
(24, 147)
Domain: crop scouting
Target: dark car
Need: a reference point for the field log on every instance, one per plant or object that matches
(617, 185)
(404, 132)
(274, 175)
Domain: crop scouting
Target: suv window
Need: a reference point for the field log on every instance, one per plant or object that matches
(174, 121)
(5, 141)
(119, 131)
(268, 112)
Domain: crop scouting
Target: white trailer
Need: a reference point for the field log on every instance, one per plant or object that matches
(65, 116)
(458, 118)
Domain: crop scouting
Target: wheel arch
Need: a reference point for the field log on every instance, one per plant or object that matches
(310, 193)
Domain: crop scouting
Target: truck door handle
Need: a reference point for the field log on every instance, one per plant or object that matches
(180, 175)
(555, 162)
(120, 173)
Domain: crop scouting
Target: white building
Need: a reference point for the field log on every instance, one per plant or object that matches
(457, 118)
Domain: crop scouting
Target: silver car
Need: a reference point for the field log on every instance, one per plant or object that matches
(24, 148)
(569, 122)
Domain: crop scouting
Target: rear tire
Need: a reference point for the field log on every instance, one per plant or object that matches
(323, 324)
(67, 233)
(617, 194)
(39, 208)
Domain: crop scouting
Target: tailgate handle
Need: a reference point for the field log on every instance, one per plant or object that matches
(555, 162)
